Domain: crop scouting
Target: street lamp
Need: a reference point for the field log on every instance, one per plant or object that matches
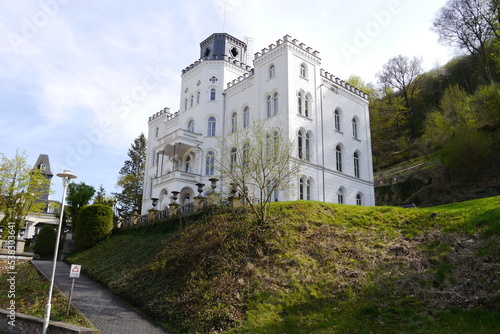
(66, 176)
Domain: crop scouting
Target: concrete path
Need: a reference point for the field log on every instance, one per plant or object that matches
(97, 304)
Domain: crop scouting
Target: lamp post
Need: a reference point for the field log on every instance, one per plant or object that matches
(66, 176)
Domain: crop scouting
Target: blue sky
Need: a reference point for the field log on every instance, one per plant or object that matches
(79, 79)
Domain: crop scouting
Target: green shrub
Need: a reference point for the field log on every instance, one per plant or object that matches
(94, 224)
(45, 241)
(465, 154)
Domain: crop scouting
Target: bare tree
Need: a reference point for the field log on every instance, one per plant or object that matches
(468, 25)
(256, 163)
(401, 73)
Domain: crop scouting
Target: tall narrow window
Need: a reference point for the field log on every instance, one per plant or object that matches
(210, 163)
(275, 104)
(192, 100)
(211, 127)
(244, 154)
(355, 128)
(212, 94)
(234, 122)
(272, 72)
(356, 164)
(300, 142)
(340, 196)
(299, 102)
(302, 184)
(306, 106)
(157, 131)
(269, 106)
(232, 162)
(308, 146)
(191, 126)
(337, 120)
(338, 156)
(308, 189)
(185, 104)
(197, 97)
(246, 117)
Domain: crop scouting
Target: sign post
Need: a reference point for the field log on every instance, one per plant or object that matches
(73, 273)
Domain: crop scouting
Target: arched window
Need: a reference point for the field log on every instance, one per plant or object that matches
(188, 164)
(191, 126)
(305, 188)
(338, 156)
(306, 105)
(192, 100)
(308, 146)
(303, 70)
(212, 94)
(340, 196)
(272, 71)
(269, 106)
(157, 131)
(234, 122)
(244, 154)
(299, 102)
(232, 162)
(186, 199)
(359, 199)
(210, 163)
(246, 117)
(185, 104)
(337, 120)
(275, 104)
(197, 97)
(300, 142)
(355, 128)
(211, 127)
(356, 164)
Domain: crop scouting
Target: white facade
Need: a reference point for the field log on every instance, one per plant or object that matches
(286, 88)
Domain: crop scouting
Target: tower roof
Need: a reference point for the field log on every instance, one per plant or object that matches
(43, 164)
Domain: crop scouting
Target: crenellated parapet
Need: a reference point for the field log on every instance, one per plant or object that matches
(227, 58)
(165, 111)
(290, 40)
(341, 83)
(241, 78)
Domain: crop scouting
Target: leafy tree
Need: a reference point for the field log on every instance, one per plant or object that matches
(78, 195)
(131, 178)
(20, 188)
(388, 124)
(101, 198)
(45, 241)
(257, 162)
(487, 105)
(468, 25)
(454, 116)
(401, 73)
(95, 223)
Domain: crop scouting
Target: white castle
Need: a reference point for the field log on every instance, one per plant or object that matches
(326, 118)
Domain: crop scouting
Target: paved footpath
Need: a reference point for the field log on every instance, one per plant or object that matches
(97, 304)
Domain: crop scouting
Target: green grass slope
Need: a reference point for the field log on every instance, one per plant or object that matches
(312, 268)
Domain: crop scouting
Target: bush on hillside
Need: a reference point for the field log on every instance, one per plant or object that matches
(94, 224)
(465, 154)
(45, 241)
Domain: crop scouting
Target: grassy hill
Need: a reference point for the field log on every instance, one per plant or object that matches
(313, 268)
